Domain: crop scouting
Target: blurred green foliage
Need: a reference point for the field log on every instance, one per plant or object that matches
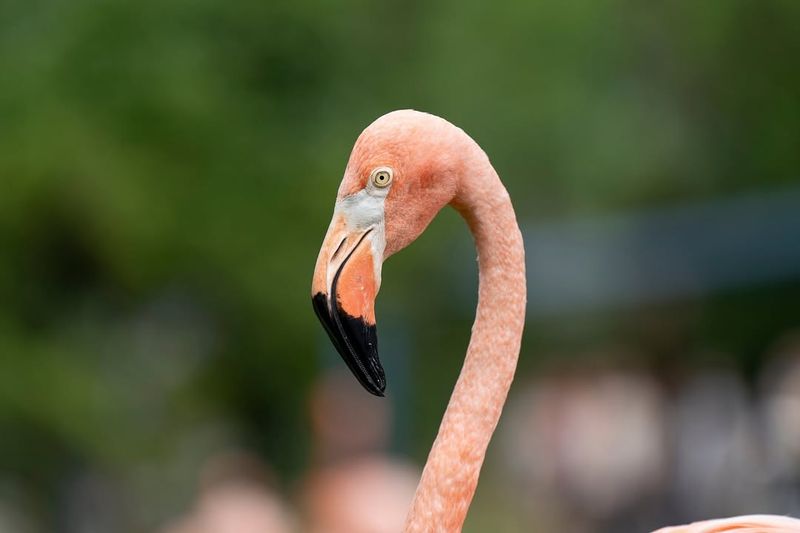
(168, 168)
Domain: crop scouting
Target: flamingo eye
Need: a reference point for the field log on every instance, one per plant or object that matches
(381, 176)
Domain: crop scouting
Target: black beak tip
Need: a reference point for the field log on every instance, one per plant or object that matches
(376, 387)
(356, 341)
(377, 391)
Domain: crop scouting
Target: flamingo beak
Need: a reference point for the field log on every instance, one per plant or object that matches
(346, 281)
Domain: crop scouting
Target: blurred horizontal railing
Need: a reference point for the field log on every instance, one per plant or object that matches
(652, 256)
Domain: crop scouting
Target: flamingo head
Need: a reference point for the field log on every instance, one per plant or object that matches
(403, 169)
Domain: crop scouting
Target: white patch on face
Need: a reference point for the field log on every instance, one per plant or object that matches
(363, 211)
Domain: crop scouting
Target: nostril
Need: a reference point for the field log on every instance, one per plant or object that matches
(338, 249)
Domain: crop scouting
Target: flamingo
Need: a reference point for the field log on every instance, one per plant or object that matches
(404, 168)
(740, 524)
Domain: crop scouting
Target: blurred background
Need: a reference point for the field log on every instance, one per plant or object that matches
(168, 170)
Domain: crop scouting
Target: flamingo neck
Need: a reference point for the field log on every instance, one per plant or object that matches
(451, 473)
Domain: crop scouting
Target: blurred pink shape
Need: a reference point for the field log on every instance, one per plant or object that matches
(781, 408)
(235, 498)
(355, 487)
(346, 421)
(595, 441)
(368, 495)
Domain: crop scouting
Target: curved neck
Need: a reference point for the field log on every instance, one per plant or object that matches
(451, 472)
